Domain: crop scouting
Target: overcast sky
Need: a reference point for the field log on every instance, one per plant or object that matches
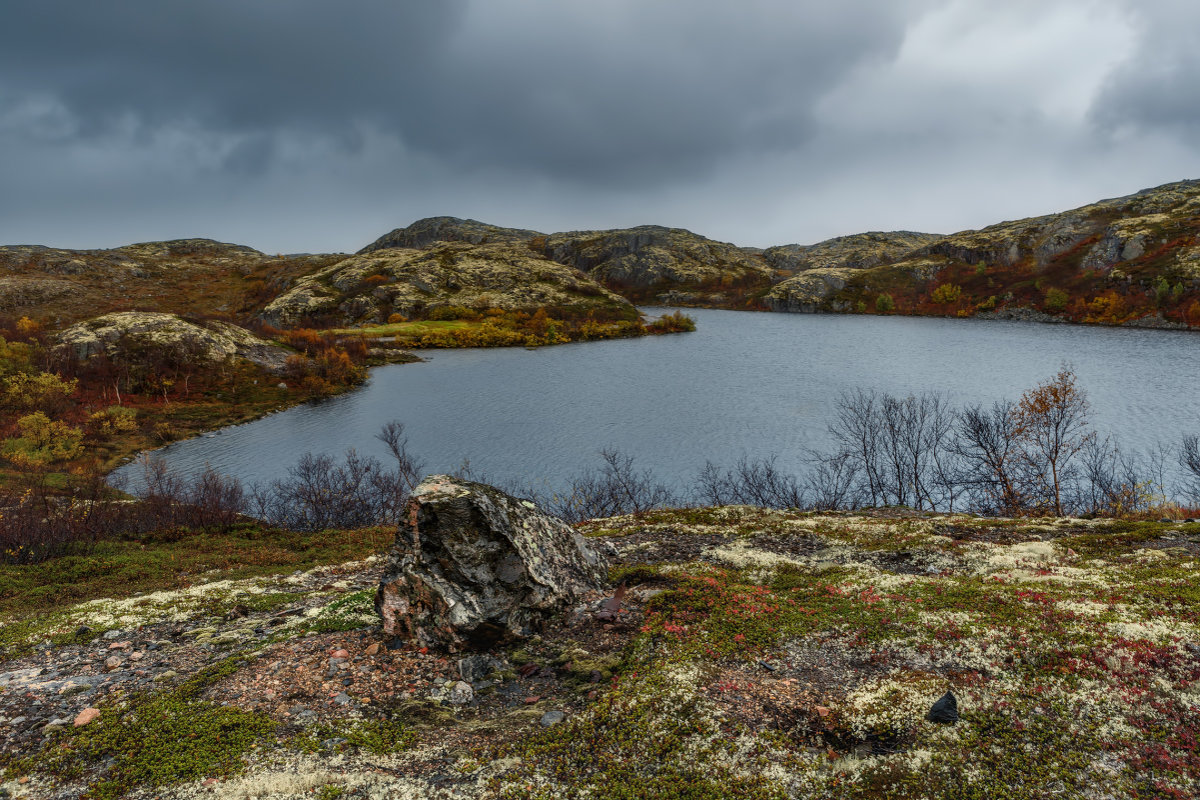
(307, 125)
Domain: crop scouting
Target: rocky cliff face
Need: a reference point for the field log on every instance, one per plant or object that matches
(371, 286)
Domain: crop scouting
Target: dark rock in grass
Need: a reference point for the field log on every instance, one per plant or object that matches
(945, 710)
(475, 566)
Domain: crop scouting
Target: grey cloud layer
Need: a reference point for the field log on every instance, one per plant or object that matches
(305, 124)
(614, 91)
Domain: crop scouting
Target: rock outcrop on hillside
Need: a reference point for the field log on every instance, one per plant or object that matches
(651, 255)
(169, 335)
(476, 566)
(430, 230)
(630, 260)
(857, 251)
(1126, 245)
(369, 287)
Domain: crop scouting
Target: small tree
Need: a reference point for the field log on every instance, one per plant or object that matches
(1056, 300)
(884, 303)
(947, 294)
(1051, 421)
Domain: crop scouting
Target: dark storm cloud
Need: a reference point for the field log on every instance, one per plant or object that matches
(1158, 88)
(622, 91)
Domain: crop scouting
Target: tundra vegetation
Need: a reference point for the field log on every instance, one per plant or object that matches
(743, 652)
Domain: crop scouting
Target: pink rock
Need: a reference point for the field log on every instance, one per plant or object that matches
(120, 645)
(137, 655)
(373, 649)
(112, 662)
(86, 716)
(340, 654)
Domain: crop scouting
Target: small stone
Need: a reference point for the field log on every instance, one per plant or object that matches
(373, 649)
(343, 699)
(531, 700)
(945, 710)
(340, 654)
(552, 718)
(136, 655)
(120, 645)
(112, 662)
(86, 716)
(460, 693)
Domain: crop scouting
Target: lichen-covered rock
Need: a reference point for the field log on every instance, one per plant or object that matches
(651, 255)
(857, 251)
(148, 331)
(425, 232)
(475, 566)
(807, 292)
(371, 286)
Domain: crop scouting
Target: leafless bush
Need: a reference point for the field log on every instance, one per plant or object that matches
(1189, 460)
(899, 449)
(756, 483)
(358, 491)
(618, 488)
(994, 472)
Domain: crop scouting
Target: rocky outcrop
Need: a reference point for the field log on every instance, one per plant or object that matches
(809, 291)
(425, 232)
(168, 334)
(652, 255)
(476, 566)
(370, 287)
(858, 251)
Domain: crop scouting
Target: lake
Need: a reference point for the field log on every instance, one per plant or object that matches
(743, 383)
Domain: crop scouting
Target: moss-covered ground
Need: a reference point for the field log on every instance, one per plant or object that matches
(758, 654)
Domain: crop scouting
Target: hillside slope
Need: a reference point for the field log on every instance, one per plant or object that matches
(194, 276)
(370, 287)
(1133, 259)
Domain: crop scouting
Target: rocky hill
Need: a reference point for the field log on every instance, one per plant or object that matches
(1128, 260)
(425, 232)
(371, 286)
(858, 251)
(645, 263)
(197, 276)
(160, 337)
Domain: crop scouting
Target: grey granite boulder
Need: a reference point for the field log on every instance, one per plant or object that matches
(475, 566)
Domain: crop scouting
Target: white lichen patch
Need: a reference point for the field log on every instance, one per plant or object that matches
(740, 554)
(890, 706)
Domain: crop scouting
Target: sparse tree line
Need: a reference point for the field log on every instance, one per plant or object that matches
(1034, 456)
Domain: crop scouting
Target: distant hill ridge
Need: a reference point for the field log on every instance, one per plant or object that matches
(1125, 260)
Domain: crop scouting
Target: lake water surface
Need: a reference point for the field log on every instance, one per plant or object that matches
(744, 383)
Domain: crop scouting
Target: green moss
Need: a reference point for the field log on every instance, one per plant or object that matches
(378, 736)
(153, 740)
(349, 613)
(643, 741)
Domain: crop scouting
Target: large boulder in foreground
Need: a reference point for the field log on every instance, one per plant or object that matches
(475, 566)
